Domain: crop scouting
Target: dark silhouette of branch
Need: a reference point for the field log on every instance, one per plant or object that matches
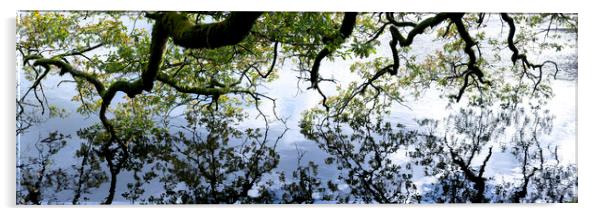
(516, 55)
(344, 32)
(391, 19)
(472, 68)
(273, 62)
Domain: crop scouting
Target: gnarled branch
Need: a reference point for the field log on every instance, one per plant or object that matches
(184, 33)
(516, 55)
(344, 32)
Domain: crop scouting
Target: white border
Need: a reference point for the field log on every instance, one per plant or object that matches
(309, 5)
(589, 82)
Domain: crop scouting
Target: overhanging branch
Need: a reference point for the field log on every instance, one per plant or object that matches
(516, 55)
(184, 33)
(344, 32)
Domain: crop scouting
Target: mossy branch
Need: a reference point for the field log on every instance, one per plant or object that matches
(184, 33)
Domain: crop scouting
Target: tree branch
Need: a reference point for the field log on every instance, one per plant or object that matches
(516, 55)
(184, 33)
(472, 62)
(344, 32)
